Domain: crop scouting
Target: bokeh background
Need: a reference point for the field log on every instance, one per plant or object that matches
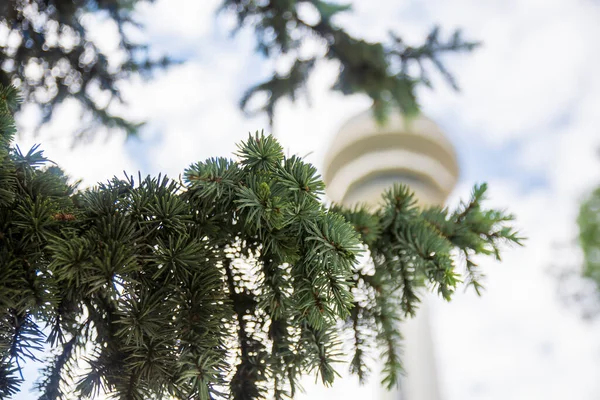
(527, 121)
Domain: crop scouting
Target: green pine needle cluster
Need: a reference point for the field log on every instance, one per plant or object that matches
(231, 284)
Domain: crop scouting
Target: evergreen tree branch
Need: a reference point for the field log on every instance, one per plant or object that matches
(235, 282)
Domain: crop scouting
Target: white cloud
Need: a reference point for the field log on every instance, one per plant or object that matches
(93, 162)
(536, 61)
(192, 114)
(177, 20)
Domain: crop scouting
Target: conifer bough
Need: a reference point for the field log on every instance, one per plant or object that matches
(231, 284)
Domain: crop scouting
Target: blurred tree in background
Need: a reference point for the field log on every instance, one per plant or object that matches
(231, 284)
(579, 286)
(589, 235)
(47, 52)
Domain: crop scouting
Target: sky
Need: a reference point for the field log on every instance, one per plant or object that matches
(526, 121)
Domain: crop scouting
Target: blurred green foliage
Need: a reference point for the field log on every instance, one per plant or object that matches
(49, 55)
(589, 235)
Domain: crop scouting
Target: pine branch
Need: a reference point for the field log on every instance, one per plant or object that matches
(236, 282)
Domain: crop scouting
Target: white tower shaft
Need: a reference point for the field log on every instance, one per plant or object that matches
(363, 161)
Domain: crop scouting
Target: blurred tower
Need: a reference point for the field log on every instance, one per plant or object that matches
(363, 160)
